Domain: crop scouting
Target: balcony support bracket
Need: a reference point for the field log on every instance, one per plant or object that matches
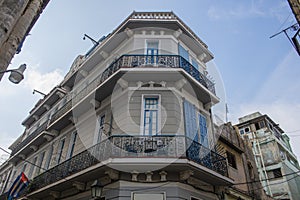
(79, 185)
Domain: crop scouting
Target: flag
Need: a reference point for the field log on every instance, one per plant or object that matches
(18, 186)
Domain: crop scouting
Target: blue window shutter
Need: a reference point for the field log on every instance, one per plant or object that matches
(190, 121)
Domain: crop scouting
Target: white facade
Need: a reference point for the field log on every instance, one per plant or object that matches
(133, 113)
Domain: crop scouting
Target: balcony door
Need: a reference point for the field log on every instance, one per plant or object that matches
(150, 115)
(152, 52)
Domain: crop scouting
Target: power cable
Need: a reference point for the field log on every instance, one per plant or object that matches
(282, 24)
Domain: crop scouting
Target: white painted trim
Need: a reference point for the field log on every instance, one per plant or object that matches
(149, 192)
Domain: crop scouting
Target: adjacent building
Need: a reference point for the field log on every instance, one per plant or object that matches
(277, 165)
(241, 165)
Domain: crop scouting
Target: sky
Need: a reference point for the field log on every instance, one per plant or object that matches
(259, 73)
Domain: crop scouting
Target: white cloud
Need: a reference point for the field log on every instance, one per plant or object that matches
(43, 82)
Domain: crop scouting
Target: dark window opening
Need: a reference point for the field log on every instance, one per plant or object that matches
(275, 173)
(231, 159)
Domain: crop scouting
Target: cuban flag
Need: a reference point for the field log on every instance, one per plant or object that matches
(18, 186)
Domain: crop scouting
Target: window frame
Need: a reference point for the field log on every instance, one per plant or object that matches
(40, 162)
(149, 193)
(49, 157)
(32, 168)
(142, 120)
(60, 149)
(98, 133)
(71, 145)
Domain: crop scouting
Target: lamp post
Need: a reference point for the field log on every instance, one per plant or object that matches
(16, 75)
(96, 189)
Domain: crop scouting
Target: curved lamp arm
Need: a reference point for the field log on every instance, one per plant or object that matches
(16, 75)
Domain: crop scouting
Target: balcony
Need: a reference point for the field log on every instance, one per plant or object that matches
(138, 147)
(135, 61)
(29, 139)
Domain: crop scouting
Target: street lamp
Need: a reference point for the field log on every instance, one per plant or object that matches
(96, 189)
(16, 75)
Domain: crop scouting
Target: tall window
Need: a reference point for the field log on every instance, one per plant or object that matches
(150, 121)
(195, 64)
(32, 167)
(50, 152)
(98, 136)
(40, 162)
(190, 121)
(183, 52)
(60, 150)
(152, 51)
(203, 130)
(71, 145)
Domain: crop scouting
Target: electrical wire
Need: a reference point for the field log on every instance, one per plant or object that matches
(282, 24)
(267, 179)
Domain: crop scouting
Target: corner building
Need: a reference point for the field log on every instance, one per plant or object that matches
(132, 118)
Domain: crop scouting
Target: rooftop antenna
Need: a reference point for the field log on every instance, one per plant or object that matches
(90, 38)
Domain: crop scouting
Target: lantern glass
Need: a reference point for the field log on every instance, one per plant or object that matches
(96, 189)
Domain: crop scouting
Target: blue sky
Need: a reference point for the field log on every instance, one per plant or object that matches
(259, 74)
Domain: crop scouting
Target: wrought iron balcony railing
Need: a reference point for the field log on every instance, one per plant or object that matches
(132, 61)
(167, 146)
(29, 138)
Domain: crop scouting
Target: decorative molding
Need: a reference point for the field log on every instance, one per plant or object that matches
(74, 120)
(149, 176)
(139, 83)
(22, 156)
(129, 32)
(179, 84)
(60, 94)
(151, 83)
(202, 57)
(96, 104)
(47, 107)
(34, 148)
(123, 83)
(79, 185)
(50, 135)
(177, 33)
(55, 194)
(35, 117)
(163, 175)
(184, 175)
(113, 174)
(163, 83)
(208, 106)
(134, 175)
